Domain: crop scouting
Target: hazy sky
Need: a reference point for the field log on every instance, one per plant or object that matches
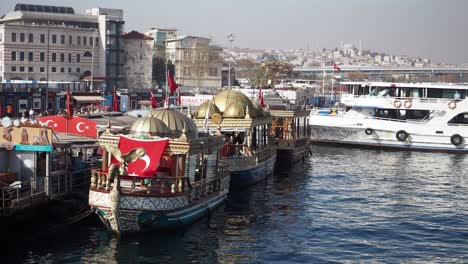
(435, 29)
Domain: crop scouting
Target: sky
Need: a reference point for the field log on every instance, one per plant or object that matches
(434, 29)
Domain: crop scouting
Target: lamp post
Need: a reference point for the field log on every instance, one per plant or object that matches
(46, 106)
(92, 59)
(231, 40)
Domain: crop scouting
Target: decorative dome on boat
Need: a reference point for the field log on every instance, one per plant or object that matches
(235, 110)
(150, 125)
(226, 98)
(176, 122)
(201, 111)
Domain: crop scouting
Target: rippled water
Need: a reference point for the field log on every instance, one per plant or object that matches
(346, 205)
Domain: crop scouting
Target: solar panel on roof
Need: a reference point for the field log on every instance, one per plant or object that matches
(44, 8)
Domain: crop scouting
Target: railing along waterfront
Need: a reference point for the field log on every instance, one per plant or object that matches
(160, 186)
(22, 194)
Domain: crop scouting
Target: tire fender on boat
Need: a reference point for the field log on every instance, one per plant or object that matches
(452, 105)
(456, 140)
(408, 104)
(369, 131)
(397, 104)
(402, 135)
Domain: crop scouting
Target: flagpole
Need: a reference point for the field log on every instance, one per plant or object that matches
(323, 81)
(167, 86)
(333, 80)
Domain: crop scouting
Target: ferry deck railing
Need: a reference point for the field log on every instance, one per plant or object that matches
(160, 186)
(242, 159)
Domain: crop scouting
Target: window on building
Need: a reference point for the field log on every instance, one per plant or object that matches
(90, 41)
(42, 38)
(62, 57)
(30, 56)
(69, 57)
(141, 57)
(21, 69)
(13, 55)
(54, 57)
(78, 40)
(62, 39)
(54, 69)
(42, 56)
(70, 40)
(54, 39)
(21, 56)
(96, 41)
(13, 68)
(78, 70)
(42, 69)
(85, 40)
(30, 69)
(22, 37)
(13, 37)
(87, 54)
(69, 69)
(78, 58)
(30, 38)
(1, 36)
(62, 69)
(213, 72)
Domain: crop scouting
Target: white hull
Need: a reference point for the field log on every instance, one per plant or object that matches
(421, 136)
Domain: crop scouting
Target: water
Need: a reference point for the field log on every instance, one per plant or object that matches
(346, 205)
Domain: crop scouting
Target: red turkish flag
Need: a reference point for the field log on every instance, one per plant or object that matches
(154, 104)
(58, 123)
(172, 84)
(82, 126)
(335, 67)
(148, 164)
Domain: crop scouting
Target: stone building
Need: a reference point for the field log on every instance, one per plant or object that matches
(197, 63)
(137, 61)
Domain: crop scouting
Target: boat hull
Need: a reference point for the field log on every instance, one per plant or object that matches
(143, 214)
(383, 138)
(252, 175)
(288, 157)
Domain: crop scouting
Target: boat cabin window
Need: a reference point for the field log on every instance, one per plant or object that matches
(460, 119)
(383, 91)
(401, 114)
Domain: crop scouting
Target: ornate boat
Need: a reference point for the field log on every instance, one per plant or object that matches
(292, 132)
(162, 175)
(249, 149)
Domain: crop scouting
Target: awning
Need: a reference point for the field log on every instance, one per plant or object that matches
(88, 98)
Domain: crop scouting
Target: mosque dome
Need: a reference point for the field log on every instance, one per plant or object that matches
(201, 111)
(176, 122)
(150, 125)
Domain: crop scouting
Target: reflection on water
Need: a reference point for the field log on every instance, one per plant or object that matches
(343, 205)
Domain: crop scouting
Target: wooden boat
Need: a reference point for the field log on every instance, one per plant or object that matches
(249, 148)
(168, 175)
(292, 132)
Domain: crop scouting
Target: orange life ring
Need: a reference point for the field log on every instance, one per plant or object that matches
(452, 105)
(408, 104)
(397, 104)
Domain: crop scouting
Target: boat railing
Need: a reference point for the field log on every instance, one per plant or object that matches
(248, 159)
(423, 100)
(160, 186)
(22, 194)
(292, 143)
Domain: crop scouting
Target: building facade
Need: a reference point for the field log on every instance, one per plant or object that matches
(197, 63)
(137, 61)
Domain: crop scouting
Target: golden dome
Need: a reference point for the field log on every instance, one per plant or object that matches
(150, 125)
(235, 110)
(227, 97)
(201, 111)
(176, 122)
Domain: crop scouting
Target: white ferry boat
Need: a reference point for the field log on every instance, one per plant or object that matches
(416, 116)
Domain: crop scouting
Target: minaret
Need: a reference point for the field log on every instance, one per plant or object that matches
(360, 48)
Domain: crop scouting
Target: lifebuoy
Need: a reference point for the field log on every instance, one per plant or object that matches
(452, 104)
(456, 140)
(369, 131)
(402, 135)
(408, 104)
(397, 104)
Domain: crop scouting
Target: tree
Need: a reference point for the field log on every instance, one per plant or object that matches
(357, 76)
(449, 78)
(275, 70)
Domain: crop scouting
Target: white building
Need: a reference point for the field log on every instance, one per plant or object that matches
(160, 35)
(197, 63)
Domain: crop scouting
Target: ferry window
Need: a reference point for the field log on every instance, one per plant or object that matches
(460, 119)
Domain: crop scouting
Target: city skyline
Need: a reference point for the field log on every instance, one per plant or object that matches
(416, 28)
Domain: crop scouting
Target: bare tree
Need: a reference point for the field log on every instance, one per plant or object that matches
(357, 76)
